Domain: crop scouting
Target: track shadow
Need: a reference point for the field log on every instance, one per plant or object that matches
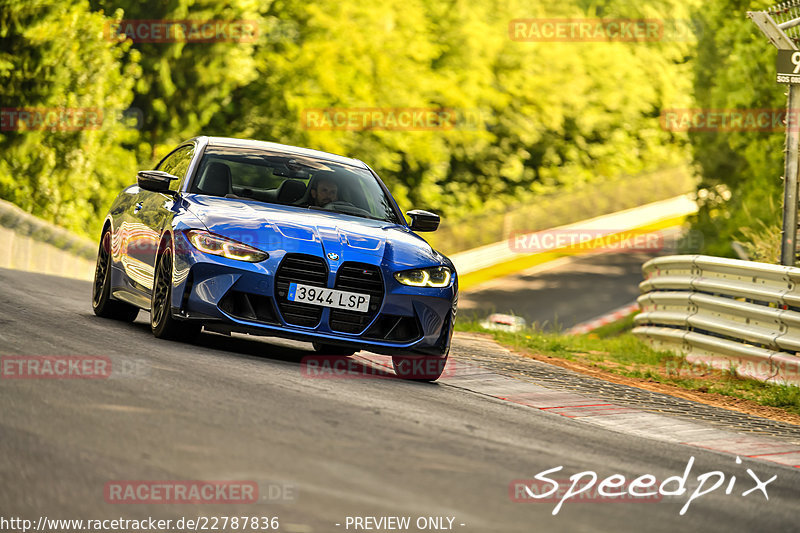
(309, 362)
(314, 364)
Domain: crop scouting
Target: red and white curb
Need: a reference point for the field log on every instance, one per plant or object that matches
(608, 318)
(602, 413)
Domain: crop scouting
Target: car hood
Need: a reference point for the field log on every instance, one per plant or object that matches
(273, 227)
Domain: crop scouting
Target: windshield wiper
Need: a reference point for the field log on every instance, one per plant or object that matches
(360, 213)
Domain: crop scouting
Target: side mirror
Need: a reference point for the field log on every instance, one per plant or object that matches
(423, 220)
(155, 180)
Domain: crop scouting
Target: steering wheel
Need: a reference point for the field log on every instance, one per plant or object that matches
(338, 203)
(342, 206)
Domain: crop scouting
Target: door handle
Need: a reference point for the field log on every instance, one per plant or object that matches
(137, 208)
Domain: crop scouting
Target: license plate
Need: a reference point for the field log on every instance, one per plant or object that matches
(307, 294)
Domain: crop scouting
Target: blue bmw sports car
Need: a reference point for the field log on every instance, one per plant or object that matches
(262, 238)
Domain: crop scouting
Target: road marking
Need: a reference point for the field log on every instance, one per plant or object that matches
(612, 316)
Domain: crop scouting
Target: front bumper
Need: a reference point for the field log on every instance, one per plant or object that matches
(230, 295)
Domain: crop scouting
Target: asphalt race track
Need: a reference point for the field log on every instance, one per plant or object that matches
(563, 293)
(321, 450)
(568, 291)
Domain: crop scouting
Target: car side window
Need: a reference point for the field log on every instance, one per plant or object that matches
(177, 163)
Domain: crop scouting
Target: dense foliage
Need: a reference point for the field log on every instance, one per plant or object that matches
(741, 187)
(533, 117)
(53, 57)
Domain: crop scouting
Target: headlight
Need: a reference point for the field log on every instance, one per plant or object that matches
(425, 277)
(215, 245)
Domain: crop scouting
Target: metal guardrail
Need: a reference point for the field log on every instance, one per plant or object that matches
(725, 313)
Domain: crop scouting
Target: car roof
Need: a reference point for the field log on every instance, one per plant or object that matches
(276, 147)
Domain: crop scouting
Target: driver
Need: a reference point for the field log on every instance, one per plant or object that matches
(324, 191)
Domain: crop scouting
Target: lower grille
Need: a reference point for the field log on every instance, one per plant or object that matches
(246, 306)
(305, 269)
(394, 328)
(364, 279)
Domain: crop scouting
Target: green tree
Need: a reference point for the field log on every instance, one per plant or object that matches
(54, 57)
(534, 117)
(185, 83)
(741, 170)
(544, 115)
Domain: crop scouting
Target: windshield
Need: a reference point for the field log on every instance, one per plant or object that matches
(291, 179)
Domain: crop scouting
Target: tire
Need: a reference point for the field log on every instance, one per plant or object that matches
(102, 303)
(162, 322)
(419, 368)
(332, 349)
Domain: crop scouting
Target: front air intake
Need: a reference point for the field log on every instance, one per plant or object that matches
(246, 306)
(362, 278)
(305, 269)
(395, 329)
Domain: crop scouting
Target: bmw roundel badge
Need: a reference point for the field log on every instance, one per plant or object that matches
(333, 256)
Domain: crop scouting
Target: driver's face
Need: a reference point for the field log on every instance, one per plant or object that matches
(325, 193)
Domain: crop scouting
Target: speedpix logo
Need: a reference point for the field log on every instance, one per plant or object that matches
(580, 487)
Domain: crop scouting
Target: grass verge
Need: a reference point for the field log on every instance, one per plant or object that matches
(614, 349)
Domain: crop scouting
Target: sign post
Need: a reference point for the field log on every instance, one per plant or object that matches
(788, 71)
